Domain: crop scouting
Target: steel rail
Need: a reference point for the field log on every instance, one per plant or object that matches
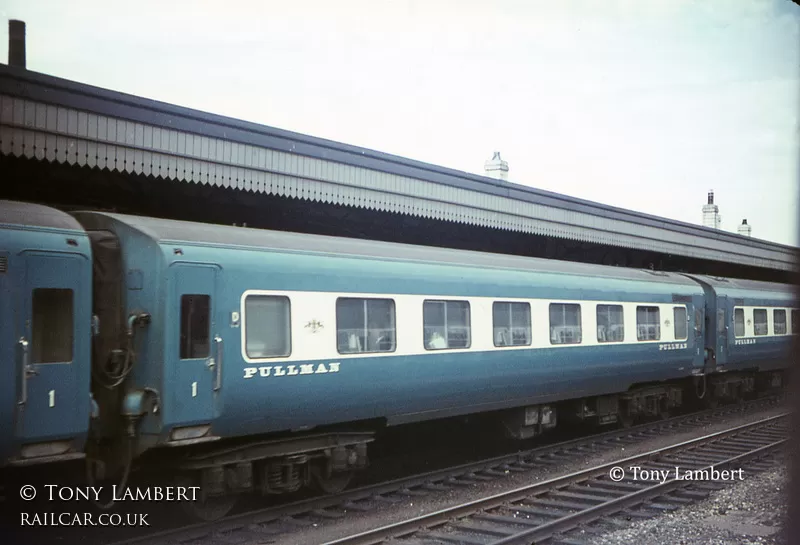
(467, 473)
(570, 521)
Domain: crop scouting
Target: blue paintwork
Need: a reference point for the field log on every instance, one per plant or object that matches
(768, 352)
(40, 257)
(399, 388)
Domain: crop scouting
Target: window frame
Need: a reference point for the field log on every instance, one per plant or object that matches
(684, 320)
(766, 322)
(739, 312)
(657, 323)
(366, 329)
(444, 302)
(37, 348)
(775, 312)
(699, 321)
(564, 324)
(209, 311)
(622, 323)
(529, 333)
(290, 339)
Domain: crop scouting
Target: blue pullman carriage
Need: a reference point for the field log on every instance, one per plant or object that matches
(749, 329)
(250, 360)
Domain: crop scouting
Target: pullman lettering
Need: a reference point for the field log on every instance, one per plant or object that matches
(673, 346)
(265, 371)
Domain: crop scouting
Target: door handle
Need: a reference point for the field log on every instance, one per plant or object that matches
(27, 371)
(218, 369)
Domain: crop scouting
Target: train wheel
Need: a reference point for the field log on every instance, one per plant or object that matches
(206, 509)
(334, 484)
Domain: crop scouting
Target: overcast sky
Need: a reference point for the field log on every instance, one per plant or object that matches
(642, 104)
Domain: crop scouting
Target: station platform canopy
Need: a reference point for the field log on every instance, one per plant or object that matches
(53, 121)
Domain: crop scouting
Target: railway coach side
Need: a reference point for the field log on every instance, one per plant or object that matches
(298, 332)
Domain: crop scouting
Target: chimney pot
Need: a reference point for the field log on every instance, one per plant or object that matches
(496, 167)
(16, 43)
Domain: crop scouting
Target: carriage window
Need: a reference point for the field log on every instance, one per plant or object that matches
(446, 324)
(738, 322)
(365, 325)
(648, 323)
(760, 321)
(795, 322)
(721, 320)
(267, 326)
(610, 323)
(51, 326)
(681, 324)
(698, 322)
(565, 323)
(512, 324)
(195, 326)
(779, 321)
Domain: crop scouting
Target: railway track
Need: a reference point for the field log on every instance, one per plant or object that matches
(544, 512)
(254, 526)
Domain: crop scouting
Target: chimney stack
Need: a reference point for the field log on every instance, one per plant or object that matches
(711, 217)
(745, 229)
(496, 167)
(16, 43)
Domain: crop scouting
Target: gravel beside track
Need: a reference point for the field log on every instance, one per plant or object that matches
(271, 525)
(326, 530)
(751, 512)
(602, 496)
(347, 518)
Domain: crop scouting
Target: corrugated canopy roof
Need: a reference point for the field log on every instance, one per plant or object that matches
(56, 120)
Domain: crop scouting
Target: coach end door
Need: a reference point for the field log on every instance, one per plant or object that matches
(194, 345)
(53, 355)
(722, 330)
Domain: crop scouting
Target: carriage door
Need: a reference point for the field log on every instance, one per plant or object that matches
(722, 330)
(196, 348)
(52, 347)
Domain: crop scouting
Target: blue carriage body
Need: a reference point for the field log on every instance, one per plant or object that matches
(740, 340)
(244, 333)
(315, 384)
(45, 334)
